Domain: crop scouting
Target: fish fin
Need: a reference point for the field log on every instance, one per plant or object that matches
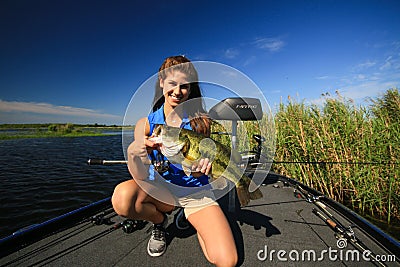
(236, 157)
(187, 170)
(254, 191)
(186, 146)
(219, 183)
(243, 195)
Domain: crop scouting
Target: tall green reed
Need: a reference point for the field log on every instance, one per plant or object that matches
(347, 152)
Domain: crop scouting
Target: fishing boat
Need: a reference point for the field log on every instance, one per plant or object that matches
(292, 224)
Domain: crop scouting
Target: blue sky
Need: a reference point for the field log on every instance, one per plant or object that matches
(82, 61)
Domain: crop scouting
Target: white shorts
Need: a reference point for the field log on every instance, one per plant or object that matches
(197, 201)
(192, 199)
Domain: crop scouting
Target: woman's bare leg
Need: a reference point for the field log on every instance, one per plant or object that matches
(131, 201)
(215, 236)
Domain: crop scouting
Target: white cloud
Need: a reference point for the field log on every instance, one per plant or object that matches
(325, 77)
(365, 65)
(317, 101)
(388, 63)
(13, 108)
(360, 90)
(231, 53)
(271, 44)
(360, 77)
(367, 78)
(250, 60)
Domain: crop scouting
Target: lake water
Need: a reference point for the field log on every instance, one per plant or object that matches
(42, 178)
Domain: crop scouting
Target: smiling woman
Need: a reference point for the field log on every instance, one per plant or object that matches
(158, 189)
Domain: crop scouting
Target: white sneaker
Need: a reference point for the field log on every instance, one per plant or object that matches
(157, 244)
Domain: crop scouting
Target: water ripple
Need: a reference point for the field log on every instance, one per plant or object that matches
(45, 177)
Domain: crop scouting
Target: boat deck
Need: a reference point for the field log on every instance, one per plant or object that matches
(279, 221)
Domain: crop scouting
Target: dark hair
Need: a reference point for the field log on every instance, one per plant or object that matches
(199, 120)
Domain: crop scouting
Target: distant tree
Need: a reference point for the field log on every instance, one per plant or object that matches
(68, 128)
(52, 128)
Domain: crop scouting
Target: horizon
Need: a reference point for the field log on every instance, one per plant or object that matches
(318, 104)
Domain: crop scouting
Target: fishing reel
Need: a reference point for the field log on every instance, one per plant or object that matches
(259, 139)
(102, 218)
(129, 226)
(251, 160)
(159, 162)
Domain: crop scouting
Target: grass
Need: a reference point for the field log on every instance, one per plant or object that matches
(49, 130)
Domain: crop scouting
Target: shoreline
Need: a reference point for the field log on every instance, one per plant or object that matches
(47, 130)
(48, 135)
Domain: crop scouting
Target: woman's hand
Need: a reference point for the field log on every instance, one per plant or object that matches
(137, 157)
(202, 168)
(141, 148)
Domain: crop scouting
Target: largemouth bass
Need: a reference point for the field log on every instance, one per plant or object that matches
(187, 147)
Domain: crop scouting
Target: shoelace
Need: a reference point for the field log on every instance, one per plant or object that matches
(158, 232)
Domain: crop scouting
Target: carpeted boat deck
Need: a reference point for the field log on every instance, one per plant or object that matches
(278, 222)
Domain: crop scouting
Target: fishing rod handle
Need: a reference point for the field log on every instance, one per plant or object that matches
(329, 222)
(323, 207)
(105, 162)
(95, 162)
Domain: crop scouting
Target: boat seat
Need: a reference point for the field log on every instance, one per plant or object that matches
(237, 108)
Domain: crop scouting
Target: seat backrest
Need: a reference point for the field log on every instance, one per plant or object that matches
(237, 108)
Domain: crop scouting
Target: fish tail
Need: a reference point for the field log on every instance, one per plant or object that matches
(256, 194)
(243, 187)
(243, 195)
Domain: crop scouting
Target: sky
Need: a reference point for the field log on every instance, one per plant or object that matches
(82, 61)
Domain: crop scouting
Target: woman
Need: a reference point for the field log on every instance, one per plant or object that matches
(135, 199)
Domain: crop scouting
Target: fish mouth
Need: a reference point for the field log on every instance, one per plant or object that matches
(169, 139)
(171, 150)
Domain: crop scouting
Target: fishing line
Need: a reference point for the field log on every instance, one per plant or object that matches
(321, 162)
(335, 162)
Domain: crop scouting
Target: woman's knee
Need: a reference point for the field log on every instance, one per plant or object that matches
(124, 198)
(215, 236)
(224, 258)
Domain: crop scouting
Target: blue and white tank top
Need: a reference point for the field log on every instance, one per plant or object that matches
(174, 174)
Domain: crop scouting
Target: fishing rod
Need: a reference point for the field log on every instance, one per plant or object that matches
(340, 230)
(116, 162)
(258, 154)
(337, 162)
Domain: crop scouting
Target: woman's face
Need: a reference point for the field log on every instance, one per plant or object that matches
(176, 88)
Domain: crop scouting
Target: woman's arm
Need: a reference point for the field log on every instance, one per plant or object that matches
(138, 151)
